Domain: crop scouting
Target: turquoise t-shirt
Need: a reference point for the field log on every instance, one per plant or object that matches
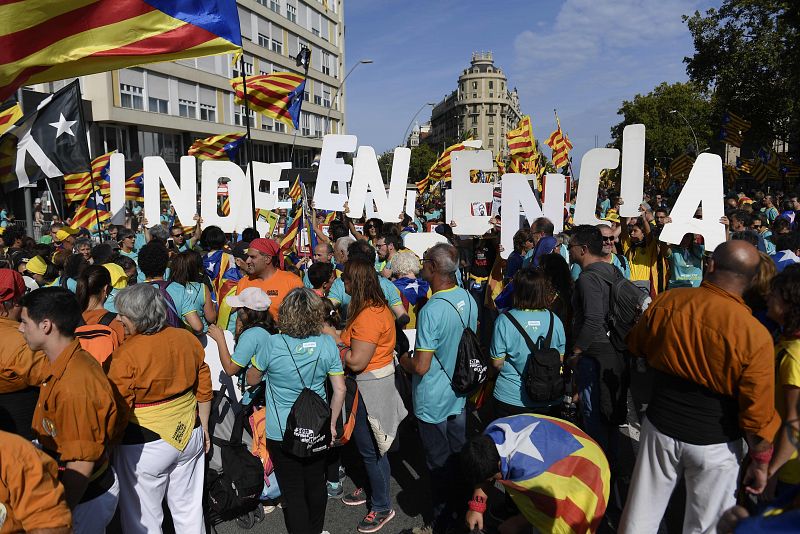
(338, 296)
(439, 329)
(605, 205)
(109, 303)
(251, 345)
(509, 344)
(772, 214)
(686, 267)
(315, 358)
(196, 299)
(575, 269)
(132, 255)
(183, 305)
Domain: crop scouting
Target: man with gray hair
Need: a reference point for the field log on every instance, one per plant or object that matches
(340, 251)
(440, 411)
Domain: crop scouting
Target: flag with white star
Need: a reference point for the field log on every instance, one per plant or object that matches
(48, 142)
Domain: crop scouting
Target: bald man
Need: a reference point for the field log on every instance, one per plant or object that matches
(714, 385)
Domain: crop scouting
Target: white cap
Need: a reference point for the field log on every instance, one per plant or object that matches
(251, 298)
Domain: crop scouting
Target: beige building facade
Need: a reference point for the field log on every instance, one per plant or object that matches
(482, 105)
(160, 109)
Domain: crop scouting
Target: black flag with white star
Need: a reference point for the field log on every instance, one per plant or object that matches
(46, 143)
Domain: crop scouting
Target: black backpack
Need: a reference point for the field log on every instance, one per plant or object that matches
(626, 304)
(237, 489)
(308, 426)
(472, 365)
(542, 376)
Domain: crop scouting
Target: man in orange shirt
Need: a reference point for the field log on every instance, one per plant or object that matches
(31, 498)
(714, 385)
(76, 412)
(20, 367)
(265, 271)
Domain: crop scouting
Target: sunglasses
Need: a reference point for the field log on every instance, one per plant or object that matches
(611, 238)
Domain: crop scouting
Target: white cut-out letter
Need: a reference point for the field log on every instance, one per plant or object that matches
(465, 193)
(183, 198)
(367, 175)
(632, 180)
(333, 169)
(517, 192)
(592, 163)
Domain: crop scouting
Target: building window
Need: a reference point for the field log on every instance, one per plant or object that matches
(491, 131)
(208, 113)
(168, 146)
(157, 105)
(318, 100)
(275, 6)
(187, 108)
(238, 116)
(315, 31)
(263, 40)
(306, 95)
(263, 2)
(326, 63)
(266, 124)
(277, 47)
(491, 141)
(491, 119)
(304, 125)
(291, 13)
(132, 96)
(116, 139)
(474, 95)
(491, 84)
(248, 69)
(474, 120)
(280, 127)
(474, 86)
(326, 96)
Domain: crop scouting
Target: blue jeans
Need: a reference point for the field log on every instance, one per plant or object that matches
(441, 443)
(378, 471)
(587, 376)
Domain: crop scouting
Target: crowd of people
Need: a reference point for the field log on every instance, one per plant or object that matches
(106, 393)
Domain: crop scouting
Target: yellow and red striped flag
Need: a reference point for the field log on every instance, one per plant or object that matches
(733, 129)
(217, 146)
(423, 184)
(90, 213)
(441, 169)
(41, 41)
(287, 242)
(560, 144)
(10, 112)
(134, 187)
(226, 206)
(680, 167)
(295, 192)
(521, 143)
(278, 95)
(77, 186)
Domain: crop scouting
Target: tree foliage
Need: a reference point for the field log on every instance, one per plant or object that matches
(668, 135)
(422, 157)
(746, 55)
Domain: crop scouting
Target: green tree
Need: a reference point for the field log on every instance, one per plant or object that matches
(746, 55)
(422, 157)
(668, 135)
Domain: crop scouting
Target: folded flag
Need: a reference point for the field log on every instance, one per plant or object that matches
(413, 289)
(48, 142)
(278, 95)
(44, 41)
(217, 146)
(556, 474)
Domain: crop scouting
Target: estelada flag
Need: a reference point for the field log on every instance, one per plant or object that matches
(48, 142)
(217, 146)
(556, 474)
(41, 41)
(278, 95)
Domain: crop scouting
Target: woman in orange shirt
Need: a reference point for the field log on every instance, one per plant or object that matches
(367, 349)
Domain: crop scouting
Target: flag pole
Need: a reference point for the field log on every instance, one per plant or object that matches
(91, 173)
(304, 59)
(248, 145)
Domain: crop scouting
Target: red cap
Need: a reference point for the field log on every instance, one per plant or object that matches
(12, 286)
(270, 247)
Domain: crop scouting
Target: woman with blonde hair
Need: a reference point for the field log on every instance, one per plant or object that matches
(298, 357)
(413, 290)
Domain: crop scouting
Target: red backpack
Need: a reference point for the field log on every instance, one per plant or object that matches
(99, 339)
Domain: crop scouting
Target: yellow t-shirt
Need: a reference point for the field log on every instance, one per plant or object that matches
(642, 259)
(788, 353)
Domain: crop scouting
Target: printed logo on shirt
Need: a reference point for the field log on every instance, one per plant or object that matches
(3, 514)
(461, 305)
(310, 345)
(49, 427)
(535, 324)
(272, 292)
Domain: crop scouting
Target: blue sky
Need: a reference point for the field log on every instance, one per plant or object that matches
(583, 57)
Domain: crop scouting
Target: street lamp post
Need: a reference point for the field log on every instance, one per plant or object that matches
(696, 145)
(405, 135)
(336, 94)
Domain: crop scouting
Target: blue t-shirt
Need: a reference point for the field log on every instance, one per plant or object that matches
(338, 296)
(575, 269)
(439, 329)
(509, 344)
(605, 205)
(183, 305)
(315, 358)
(686, 267)
(250, 346)
(132, 255)
(109, 303)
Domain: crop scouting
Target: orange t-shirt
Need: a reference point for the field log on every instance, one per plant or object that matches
(94, 316)
(374, 325)
(30, 493)
(20, 367)
(276, 287)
